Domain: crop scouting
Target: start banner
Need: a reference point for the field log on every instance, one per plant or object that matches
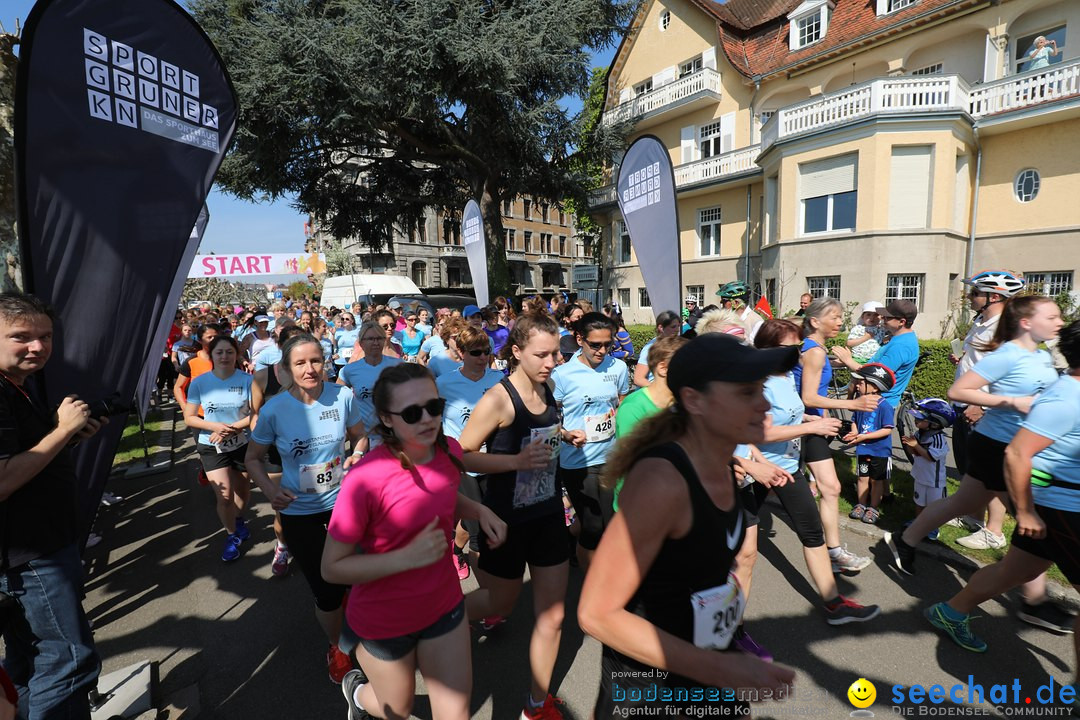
(221, 266)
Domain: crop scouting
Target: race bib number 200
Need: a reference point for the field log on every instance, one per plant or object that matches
(717, 612)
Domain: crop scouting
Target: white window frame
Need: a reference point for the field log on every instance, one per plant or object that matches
(819, 11)
(809, 29)
(937, 68)
(821, 286)
(1036, 185)
(885, 7)
(643, 87)
(624, 296)
(905, 286)
(697, 291)
(828, 215)
(622, 240)
(710, 133)
(664, 21)
(643, 298)
(691, 66)
(1050, 282)
(710, 217)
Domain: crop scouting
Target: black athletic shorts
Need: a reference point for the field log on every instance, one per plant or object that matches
(1061, 544)
(396, 648)
(815, 448)
(878, 469)
(592, 503)
(540, 542)
(213, 460)
(986, 461)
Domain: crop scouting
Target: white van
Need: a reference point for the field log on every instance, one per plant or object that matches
(343, 291)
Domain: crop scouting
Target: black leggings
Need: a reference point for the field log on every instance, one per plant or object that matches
(799, 503)
(305, 535)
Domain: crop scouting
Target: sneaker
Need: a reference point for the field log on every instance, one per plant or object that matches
(491, 622)
(844, 561)
(338, 664)
(958, 630)
(857, 512)
(461, 565)
(845, 611)
(871, 516)
(903, 554)
(108, 499)
(242, 531)
(932, 536)
(1048, 616)
(748, 645)
(552, 709)
(983, 540)
(349, 684)
(232, 548)
(280, 565)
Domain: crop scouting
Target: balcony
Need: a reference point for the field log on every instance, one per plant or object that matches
(694, 90)
(548, 259)
(452, 250)
(602, 196)
(1025, 90)
(516, 256)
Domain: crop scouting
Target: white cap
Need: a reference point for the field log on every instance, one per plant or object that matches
(872, 306)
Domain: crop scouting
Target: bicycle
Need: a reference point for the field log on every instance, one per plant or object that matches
(905, 424)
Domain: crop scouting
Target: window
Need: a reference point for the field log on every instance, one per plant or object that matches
(643, 298)
(770, 291)
(828, 194)
(562, 217)
(935, 69)
(451, 232)
(544, 213)
(709, 232)
(527, 209)
(885, 7)
(562, 246)
(690, 67)
(665, 20)
(717, 137)
(1050, 284)
(904, 287)
(697, 291)
(528, 242)
(826, 286)
(1026, 44)
(419, 273)
(643, 87)
(910, 174)
(508, 208)
(1027, 185)
(809, 29)
(808, 23)
(624, 297)
(623, 251)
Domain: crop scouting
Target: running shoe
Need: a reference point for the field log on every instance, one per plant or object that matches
(232, 548)
(845, 610)
(748, 645)
(461, 565)
(857, 512)
(959, 631)
(1048, 616)
(242, 531)
(349, 684)
(903, 554)
(844, 561)
(967, 522)
(338, 664)
(983, 540)
(552, 709)
(491, 622)
(280, 565)
(871, 516)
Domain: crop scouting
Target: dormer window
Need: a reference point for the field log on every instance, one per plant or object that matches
(809, 22)
(884, 7)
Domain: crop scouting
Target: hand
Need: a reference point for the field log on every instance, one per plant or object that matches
(953, 359)
(740, 671)
(1021, 404)
(534, 456)
(769, 475)
(493, 526)
(281, 500)
(824, 426)
(908, 442)
(1029, 524)
(427, 547)
(350, 461)
(841, 352)
(91, 428)
(974, 413)
(865, 403)
(72, 415)
(849, 438)
(576, 438)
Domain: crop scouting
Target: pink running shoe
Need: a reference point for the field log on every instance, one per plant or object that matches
(461, 564)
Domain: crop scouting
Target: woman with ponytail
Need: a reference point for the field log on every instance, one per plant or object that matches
(389, 537)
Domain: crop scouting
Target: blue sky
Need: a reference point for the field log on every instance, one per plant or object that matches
(237, 226)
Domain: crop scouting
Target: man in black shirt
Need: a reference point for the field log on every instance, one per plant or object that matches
(50, 652)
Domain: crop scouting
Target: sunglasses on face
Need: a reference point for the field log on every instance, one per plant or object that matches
(480, 351)
(412, 414)
(598, 345)
(410, 319)
(386, 327)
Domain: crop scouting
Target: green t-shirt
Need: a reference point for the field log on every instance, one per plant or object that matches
(634, 408)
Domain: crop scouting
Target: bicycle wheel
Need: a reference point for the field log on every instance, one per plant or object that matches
(905, 424)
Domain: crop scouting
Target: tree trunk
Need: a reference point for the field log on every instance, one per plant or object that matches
(498, 266)
(10, 263)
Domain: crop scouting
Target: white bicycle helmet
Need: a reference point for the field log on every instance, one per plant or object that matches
(1001, 282)
(690, 299)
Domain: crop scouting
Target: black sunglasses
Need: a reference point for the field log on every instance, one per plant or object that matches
(412, 414)
(599, 345)
(481, 351)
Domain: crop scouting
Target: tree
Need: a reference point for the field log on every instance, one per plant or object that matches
(589, 161)
(10, 270)
(371, 110)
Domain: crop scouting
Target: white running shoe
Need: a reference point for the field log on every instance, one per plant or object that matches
(983, 540)
(844, 561)
(967, 523)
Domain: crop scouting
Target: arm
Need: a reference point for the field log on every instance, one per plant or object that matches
(854, 340)
(492, 412)
(494, 527)
(826, 427)
(967, 390)
(1024, 446)
(868, 437)
(358, 441)
(641, 375)
(253, 463)
(341, 563)
(180, 388)
(813, 361)
(17, 470)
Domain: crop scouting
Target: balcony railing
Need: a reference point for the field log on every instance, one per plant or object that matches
(516, 255)
(548, 259)
(704, 81)
(451, 249)
(1027, 89)
(602, 196)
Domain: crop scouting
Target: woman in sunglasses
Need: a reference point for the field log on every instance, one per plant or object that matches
(518, 421)
(405, 610)
(308, 424)
(362, 374)
(411, 337)
(462, 389)
(434, 342)
(386, 321)
(344, 339)
(447, 359)
(589, 388)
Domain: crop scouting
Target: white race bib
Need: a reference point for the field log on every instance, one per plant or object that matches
(345, 353)
(717, 612)
(794, 448)
(534, 486)
(599, 428)
(238, 440)
(321, 477)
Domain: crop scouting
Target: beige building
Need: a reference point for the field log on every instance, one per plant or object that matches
(862, 149)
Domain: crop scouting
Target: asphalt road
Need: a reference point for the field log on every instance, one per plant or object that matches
(247, 646)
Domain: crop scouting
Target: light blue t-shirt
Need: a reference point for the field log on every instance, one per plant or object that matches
(786, 408)
(1056, 415)
(589, 399)
(432, 345)
(1012, 371)
(223, 401)
(268, 358)
(461, 395)
(411, 345)
(361, 377)
(344, 341)
(643, 357)
(899, 355)
(311, 440)
(328, 354)
(440, 363)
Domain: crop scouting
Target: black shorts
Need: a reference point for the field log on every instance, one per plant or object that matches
(592, 503)
(1060, 544)
(396, 648)
(986, 461)
(815, 448)
(878, 469)
(213, 460)
(540, 542)
(305, 535)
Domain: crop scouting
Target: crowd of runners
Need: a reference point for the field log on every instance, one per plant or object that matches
(403, 450)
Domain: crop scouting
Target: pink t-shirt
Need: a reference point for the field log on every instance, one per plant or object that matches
(381, 507)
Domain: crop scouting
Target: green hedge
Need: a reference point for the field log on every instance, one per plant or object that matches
(931, 379)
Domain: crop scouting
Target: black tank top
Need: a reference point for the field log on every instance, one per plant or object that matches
(520, 495)
(699, 561)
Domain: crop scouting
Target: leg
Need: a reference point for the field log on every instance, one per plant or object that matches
(877, 491)
(446, 664)
(221, 482)
(241, 488)
(278, 533)
(800, 506)
(995, 511)
(306, 535)
(549, 599)
(391, 686)
(496, 596)
(863, 489)
(745, 560)
(1016, 568)
(970, 496)
(828, 484)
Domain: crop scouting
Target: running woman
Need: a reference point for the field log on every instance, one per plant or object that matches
(344, 338)
(660, 593)
(411, 337)
(667, 325)
(448, 358)
(225, 396)
(309, 424)
(1042, 473)
(388, 538)
(518, 420)
(259, 339)
(362, 374)
(589, 388)
(434, 342)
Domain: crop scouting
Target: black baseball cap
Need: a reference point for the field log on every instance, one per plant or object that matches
(719, 357)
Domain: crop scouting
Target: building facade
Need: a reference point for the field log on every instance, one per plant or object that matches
(865, 150)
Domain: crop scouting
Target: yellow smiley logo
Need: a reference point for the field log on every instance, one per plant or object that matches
(862, 693)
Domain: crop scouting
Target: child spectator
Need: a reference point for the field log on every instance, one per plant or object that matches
(928, 449)
(866, 337)
(872, 432)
